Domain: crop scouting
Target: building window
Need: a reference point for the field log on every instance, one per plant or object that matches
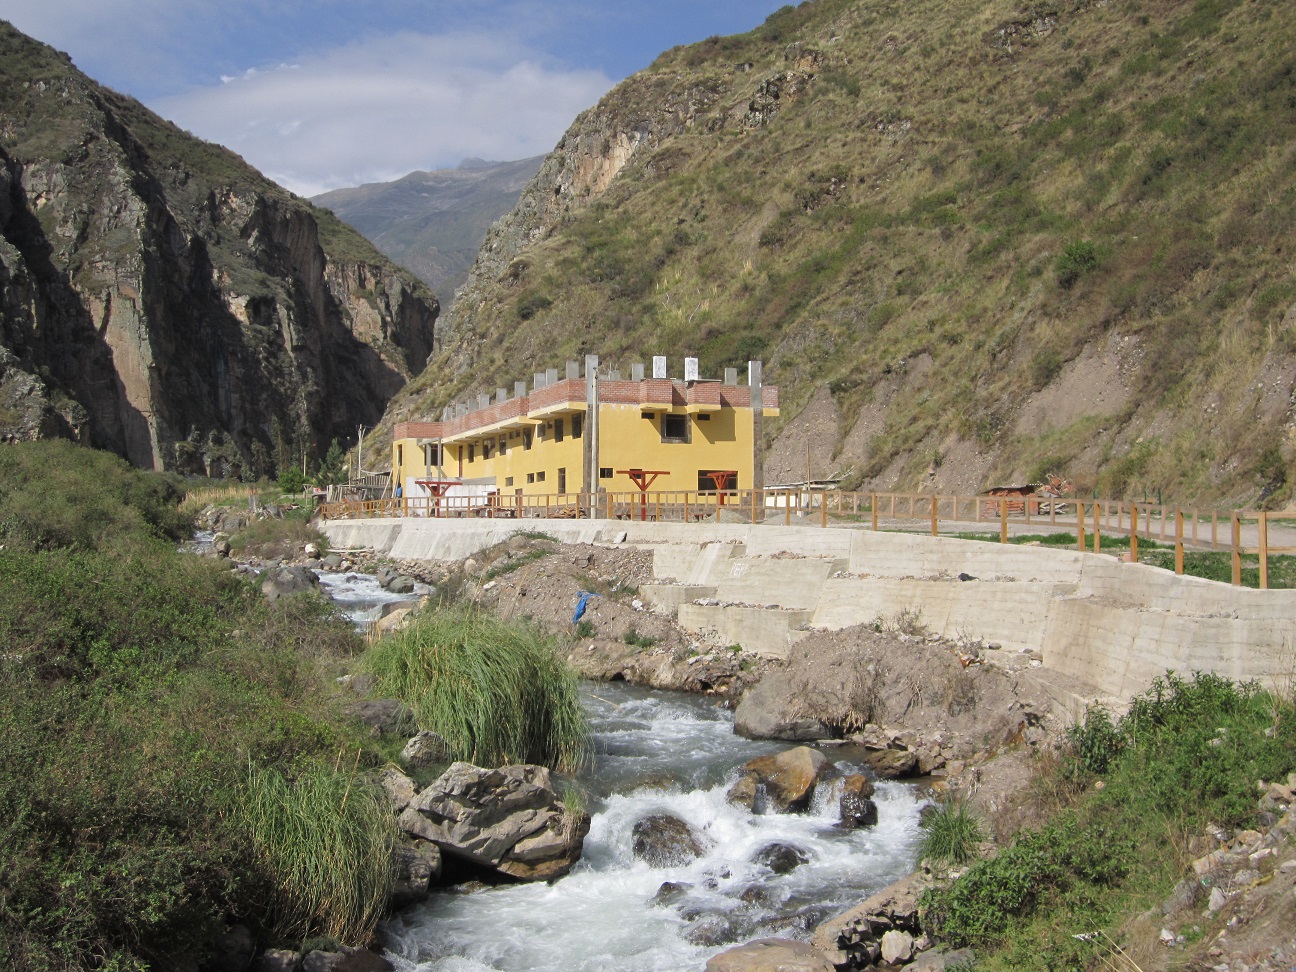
(562, 479)
(526, 440)
(708, 483)
(558, 430)
(530, 477)
(508, 480)
(503, 444)
(472, 452)
(704, 417)
(605, 472)
(578, 426)
(486, 449)
(432, 454)
(540, 476)
(674, 428)
(646, 415)
(400, 455)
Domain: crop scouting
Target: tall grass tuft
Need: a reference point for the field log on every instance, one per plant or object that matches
(951, 833)
(324, 841)
(494, 689)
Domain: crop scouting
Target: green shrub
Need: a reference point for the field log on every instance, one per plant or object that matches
(1076, 259)
(951, 833)
(1094, 743)
(495, 690)
(291, 480)
(323, 843)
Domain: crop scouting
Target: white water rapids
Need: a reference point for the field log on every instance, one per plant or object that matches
(661, 752)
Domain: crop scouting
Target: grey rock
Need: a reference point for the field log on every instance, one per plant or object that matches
(771, 955)
(402, 585)
(333, 561)
(781, 858)
(665, 841)
(345, 960)
(278, 960)
(386, 716)
(938, 960)
(398, 786)
(417, 866)
(425, 749)
(509, 819)
(1188, 893)
(855, 806)
(897, 947)
(670, 892)
(1217, 900)
(286, 581)
(889, 764)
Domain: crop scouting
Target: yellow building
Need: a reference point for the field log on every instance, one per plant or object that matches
(694, 434)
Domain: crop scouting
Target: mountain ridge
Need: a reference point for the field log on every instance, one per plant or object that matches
(972, 242)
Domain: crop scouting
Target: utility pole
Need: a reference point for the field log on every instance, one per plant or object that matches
(590, 450)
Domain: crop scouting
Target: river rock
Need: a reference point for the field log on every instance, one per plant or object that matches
(665, 841)
(780, 858)
(416, 867)
(771, 955)
(403, 584)
(766, 713)
(277, 960)
(710, 930)
(670, 892)
(384, 716)
(855, 805)
(345, 960)
(426, 749)
(855, 936)
(398, 786)
(897, 947)
(333, 561)
(285, 581)
(509, 819)
(788, 779)
(891, 763)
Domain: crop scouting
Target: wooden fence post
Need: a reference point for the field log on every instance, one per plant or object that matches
(1097, 530)
(873, 504)
(1003, 519)
(935, 526)
(1237, 550)
(1262, 524)
(1179, 546)
(1080, 525)
(1133, 533)
(823, 509)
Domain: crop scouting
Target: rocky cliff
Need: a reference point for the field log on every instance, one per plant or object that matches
(974, 242)
(161, 299)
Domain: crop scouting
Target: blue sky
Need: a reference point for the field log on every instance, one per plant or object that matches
(330, 93)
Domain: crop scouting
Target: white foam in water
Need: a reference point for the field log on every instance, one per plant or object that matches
(601, 916)
(360, 596)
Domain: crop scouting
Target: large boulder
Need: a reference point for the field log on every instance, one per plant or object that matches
(665, 841)
(771, 955)
(781, 858)
(426, 749)
(285, 581)
(855, 804)
(766, 712)
(855, 938)
(786, 780)
(509, 819)
(416, 866)
(889, 764)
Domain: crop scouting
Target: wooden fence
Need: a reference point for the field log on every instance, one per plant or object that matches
(1089, 519)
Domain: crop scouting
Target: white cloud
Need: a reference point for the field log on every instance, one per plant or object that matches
(378, 108)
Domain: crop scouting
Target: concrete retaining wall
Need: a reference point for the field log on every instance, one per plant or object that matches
(1113, 625)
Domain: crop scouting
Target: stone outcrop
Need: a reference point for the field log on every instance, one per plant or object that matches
(163, 300)
(509, 819)
(855, 804)
(884, 927)
(785, 781)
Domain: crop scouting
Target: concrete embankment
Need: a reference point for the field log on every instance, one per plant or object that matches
(1113, 625)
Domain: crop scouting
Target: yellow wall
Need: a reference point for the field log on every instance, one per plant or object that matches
(627, 440)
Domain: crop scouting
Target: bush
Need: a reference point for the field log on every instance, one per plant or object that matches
(1075, 260)
(323, 842)
(495, 690)
(291, 480)
(951, 834)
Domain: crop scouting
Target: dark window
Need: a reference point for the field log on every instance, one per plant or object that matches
(675, 428)
(704, 417)
(578, 426)
(432, 454)
(530, 477)
(526, 440)
(605, 472)
(486, 449)
(400, 455)
(508, 480)
(472, 452)
(562, 479)
(647, 415)
(707, 482)
(558, 430)
(540, 476)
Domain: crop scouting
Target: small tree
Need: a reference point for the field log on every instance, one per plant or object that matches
(333, 469)
(291, 480)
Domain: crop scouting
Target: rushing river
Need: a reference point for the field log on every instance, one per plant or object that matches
(660, 752)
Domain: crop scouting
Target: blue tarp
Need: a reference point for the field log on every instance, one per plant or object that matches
(580, 605)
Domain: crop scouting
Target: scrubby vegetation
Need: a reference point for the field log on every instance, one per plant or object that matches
(145, 696)
(951, 833)
(1188, 753)
(495, 690)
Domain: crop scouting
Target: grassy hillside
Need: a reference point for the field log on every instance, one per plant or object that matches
(999, 239)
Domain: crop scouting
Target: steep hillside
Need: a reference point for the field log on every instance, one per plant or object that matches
(433, 223)
(162, 299)
(973, 242)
